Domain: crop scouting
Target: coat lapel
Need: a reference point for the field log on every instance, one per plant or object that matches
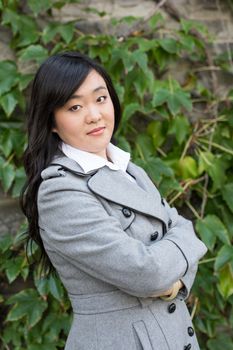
(114, 186)
(142, 196)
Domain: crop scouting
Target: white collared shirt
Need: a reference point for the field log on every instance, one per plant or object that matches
(90, 161)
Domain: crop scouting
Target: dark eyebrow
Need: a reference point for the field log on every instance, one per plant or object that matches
(95, 90)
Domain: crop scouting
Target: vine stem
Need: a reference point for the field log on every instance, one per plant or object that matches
(206, 261)
(197, 133)
(216, 145)
(161, 151)
(205, 196)
(190, 139)
(204, 69)
(193, 210)
(5, 345)
(140, 152)
(194, 307)
(188, 183)
(139, 25)
(10, 158)
(160, 4)
(186, 146)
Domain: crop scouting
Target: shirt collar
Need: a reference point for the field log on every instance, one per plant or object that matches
(90, 161)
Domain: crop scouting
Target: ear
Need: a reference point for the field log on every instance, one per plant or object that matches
(54, 129)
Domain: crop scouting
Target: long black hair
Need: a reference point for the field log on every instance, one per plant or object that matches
(55, 82)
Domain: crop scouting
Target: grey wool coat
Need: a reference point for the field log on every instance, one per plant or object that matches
(114, 244)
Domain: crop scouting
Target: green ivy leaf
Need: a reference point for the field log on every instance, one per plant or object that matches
(144, 146)
(169, 45)
(39, 6)
(214, 166)
(13, 268)
(160, 97)
(180, 127)
(6, 144)
(42, 285)
(184, 99)
(141, 84)
(210, 228)
(187, 168)
(226, 281)
(27, 304)
(227, 193)
(141, 59)
(54, 323)
(19, 181)
(7, 175)
(5, 243)
(12, 18)
(49, 32)
(206, 234)
(156, 169)
(8, 76)
(129, 110)
(125, 57)
(225, 255)
(221, 341)
(168, 185)
(146, 45)
(124, 144)
(187, 25)
(34, 52)
(155, 20)
(173, 95)
(24, 27)
(205, 161)
(55, 287)
(24, 80)
(13, 328)
(155, 130)
(65, 30)
(8, 103)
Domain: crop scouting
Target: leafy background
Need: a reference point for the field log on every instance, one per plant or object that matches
(177, 127)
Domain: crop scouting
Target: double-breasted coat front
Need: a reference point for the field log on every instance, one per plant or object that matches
(114, 244)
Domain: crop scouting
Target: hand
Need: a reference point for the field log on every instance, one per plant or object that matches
(165, 293)
(177, 285)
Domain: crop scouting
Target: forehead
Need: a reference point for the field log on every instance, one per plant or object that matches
(93, 81)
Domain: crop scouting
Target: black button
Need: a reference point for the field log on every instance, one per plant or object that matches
(169, 223)
(190, 331)
(187, 347)
(126, 212)
(154, 236)
(162, 201)
(171, 308)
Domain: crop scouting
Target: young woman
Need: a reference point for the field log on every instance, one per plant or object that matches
(126, 258)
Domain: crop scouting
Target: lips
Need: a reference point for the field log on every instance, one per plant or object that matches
(96, 130)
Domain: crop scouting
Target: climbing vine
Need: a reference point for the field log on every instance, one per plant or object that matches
(176, 126)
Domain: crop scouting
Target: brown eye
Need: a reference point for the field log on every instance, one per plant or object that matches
(101, 98)
(75, 108)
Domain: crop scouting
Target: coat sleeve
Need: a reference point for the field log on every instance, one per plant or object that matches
(179, 224)
(75, 225)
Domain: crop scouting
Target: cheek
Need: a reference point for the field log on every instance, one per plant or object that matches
(111, 113)
(67, 125)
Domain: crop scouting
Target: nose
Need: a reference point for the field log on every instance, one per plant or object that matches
(93, 115)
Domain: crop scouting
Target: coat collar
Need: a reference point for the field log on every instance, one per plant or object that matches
(114, 186)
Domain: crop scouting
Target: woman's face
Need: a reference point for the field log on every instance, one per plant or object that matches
(86, 121)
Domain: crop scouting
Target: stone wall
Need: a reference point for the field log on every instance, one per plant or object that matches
(10, 215)
(215, 14)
